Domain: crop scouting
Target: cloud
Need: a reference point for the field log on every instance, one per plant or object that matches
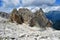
(37, 2)
(45, 9)
(12, 2)
(8, 5)
(52, 8)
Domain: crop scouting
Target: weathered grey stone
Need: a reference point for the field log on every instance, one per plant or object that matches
(26, 13)
(4, 15)
(32, 22)
(40, 19)
(16, 17)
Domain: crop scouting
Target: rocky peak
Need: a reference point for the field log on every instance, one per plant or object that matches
(39, 12)
(41, 18)
(16, 17)
(26, 13)
(4, 14)
(14, 11)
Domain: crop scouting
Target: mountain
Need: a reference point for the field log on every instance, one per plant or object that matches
(40, 19)
(53, 15)
(26, 14)
(4, 14)
(12, 31)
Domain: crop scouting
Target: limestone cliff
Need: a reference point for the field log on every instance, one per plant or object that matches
(26, 13)
(15, 17)
(40, 19)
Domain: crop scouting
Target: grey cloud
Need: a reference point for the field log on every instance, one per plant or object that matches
(37, 2)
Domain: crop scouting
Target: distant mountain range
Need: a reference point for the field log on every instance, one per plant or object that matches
(4, 15)
(53, 15)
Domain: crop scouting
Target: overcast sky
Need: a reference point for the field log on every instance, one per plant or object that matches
(47, 5)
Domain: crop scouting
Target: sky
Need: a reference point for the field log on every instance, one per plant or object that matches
(57, 2)
(46, 5)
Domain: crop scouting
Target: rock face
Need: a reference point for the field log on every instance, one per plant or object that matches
(41, 19)
(4, 15)
(32, 22)
(15, 17)
(26, 13)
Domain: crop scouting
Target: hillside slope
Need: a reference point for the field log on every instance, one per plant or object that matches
(24, 32)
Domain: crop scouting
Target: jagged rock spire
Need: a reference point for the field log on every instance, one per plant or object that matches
(16, 17)
(41, 19)
(26, 13)
(14, 10)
